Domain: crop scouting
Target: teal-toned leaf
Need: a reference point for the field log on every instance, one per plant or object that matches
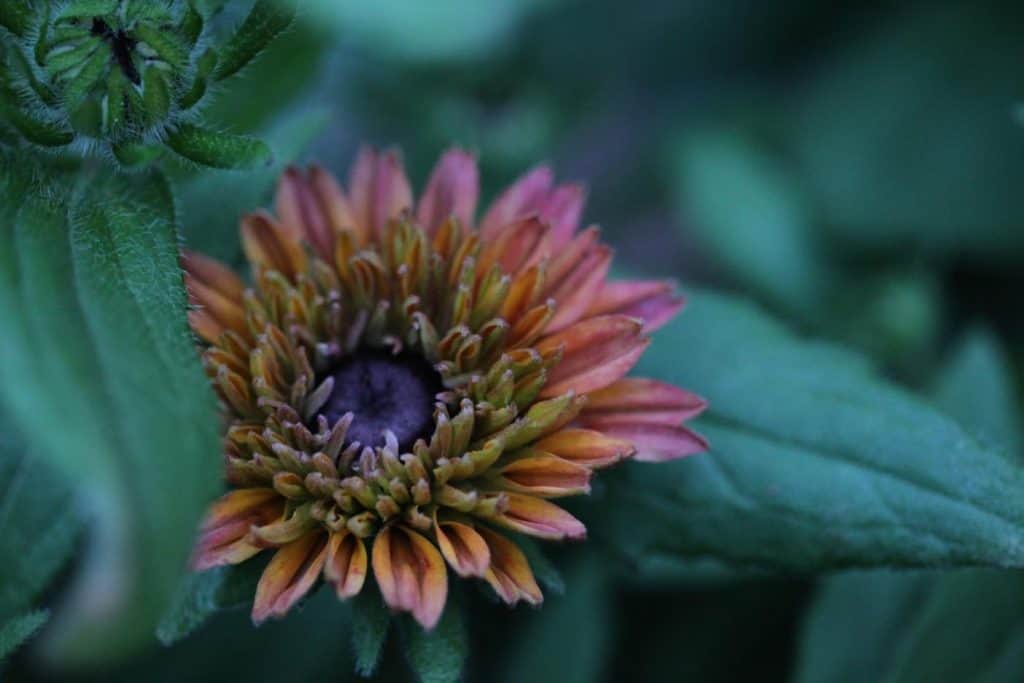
(370, 621)
(14, 632)
(750, 216)
(218, 150)
(38, 526)
(201, 595)
(958, 626)
(816, 461)
(156, 95)
(904, 147)
(438, 656)
(976, 387)
(16, 16)
(266, 20)
(568, 638)
(99, 367)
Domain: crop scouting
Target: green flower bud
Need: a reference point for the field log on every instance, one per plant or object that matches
(124, 75)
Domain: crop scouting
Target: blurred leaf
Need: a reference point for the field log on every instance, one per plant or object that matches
(960, 626)
(218, 150)
(816, 462)
(18, 629)
(977, 388)
(98, 366)
(544, 570)
(38, 527)
(438, 656)
(266, 20)
(370, 622)
(907, 137)
(747, 212)
(202, 594)
(567, 640)
(436, 31)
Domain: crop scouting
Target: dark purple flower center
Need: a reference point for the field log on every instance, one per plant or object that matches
(384, 391)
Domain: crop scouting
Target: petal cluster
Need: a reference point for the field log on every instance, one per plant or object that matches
(532, 345)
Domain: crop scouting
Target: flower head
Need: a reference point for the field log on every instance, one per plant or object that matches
(406, 384)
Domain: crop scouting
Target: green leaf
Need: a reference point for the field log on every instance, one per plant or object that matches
(438, 656)
(38, 527)
(544, 570)
(266, 20)
(568, 637)
(976, 387)
(16, 16)
(218, 150)
(165, 44)
(14, 632)
(748, 213)
(960, 626)
(202, 594)
(816, 461)
(370, 621)
(99, 367)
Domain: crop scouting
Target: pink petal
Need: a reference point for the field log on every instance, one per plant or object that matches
(653, 301)
(654, 442)
(452, 190)
(596, 352)
(522, 198)
(562, 210)
(579, 287)
(635, 399)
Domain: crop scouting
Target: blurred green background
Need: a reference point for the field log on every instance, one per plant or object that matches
(857, 168)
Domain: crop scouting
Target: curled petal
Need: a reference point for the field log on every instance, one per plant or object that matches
(596, 353)
(537, 517)
(545, 475)
(654, 442)
(586, 447)
(578, 287)
(634, 399)
(224, 534)
(411, 574)
(268, 245)
(291, 573)
(217, 291)
(523, 198)
(463, 548)
(379, 189)
(509, 574)
(653, 301)
(345, 566)
(452, 190)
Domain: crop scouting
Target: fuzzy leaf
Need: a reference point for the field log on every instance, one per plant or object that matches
(815, 462)
(14, 632)
(98, 365)
(266, 20)
(975, 387)
(218, 150)
(202, 594)
(438, 656)
(370, 621)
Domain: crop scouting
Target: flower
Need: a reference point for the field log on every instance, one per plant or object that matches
(404, 384)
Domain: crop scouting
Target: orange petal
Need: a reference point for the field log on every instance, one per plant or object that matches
(562, 210)
(346, 563)
(268, 245)
(522, 198)
(452, 190)
(545, 475)
(509, 574)
(654, 301)
(463, 548)
(411, 574)
(586, 447)
(521, 245)
(537, 517)
(313, 207)
(638, 400)
(218, 292)
(223, 537)
(597, 352)
(654, 442)
(291, 573)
